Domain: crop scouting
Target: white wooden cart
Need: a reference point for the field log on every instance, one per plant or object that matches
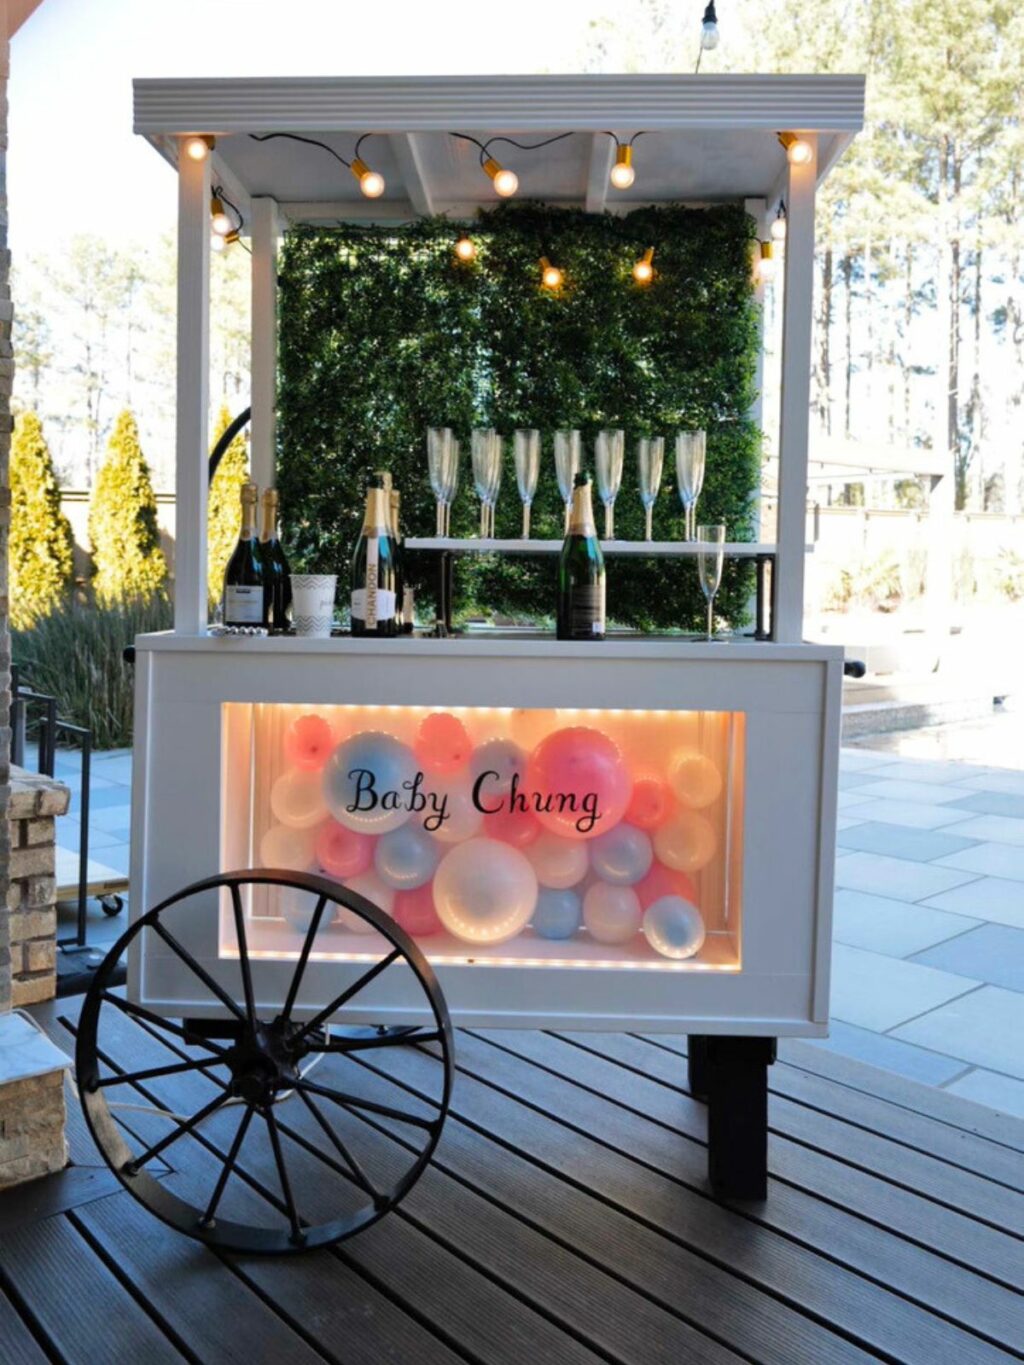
(234, 958)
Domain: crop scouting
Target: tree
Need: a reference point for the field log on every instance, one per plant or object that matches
(224, 509)
(41, 543)
(127, 558)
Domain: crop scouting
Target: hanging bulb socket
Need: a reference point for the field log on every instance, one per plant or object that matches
(465, 249)
(219, 219)
(198, 148)
(622, 173)
(643, 270)
(709, 28)
(798, 151)
(370, 182)
(550, 275)
(505, 182)
(766, 265)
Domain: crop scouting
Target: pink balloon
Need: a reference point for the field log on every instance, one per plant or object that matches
(665, 881)
(651, 803)
(414, 911)
(343, 852)
(518, 828)
(569, 771)
(442, 743)
(308, 742)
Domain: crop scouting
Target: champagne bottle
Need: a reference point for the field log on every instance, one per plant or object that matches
(581, 574)
(243, 577)
(374, 567)
(399, 539)
(277, 582)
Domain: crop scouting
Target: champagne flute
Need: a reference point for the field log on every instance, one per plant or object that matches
(439, 460)
(451, 486)
(710, 558)
(609, 451)
(485, 449)
(526, 448)
(568, 462)
(690, 449)
(650, 456)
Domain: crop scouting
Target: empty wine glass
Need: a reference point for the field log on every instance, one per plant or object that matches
(568, 462)
(486, 450)
(690, 448)
(710, 558)
(526, 448)
(609, 451)
(650, 456)
(443, 464)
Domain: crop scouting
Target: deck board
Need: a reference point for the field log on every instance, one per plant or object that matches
(566, 1217)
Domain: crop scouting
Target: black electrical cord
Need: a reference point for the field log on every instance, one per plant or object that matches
(297, 137)
(523, 146)
(609, 133)
(218, 191)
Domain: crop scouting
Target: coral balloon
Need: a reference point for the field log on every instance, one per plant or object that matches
(308, 742)
(284, 846)
(485, 891)
(581, 782)
(687, 843)
(493, 765)
(414, 911)
(695, 779)
(665, 881)
(558, 862)
(406, 858)
(371, 888)
(622, 856)
(343, 852)
(297, 799)
(367, 782)
(515, 827)
(442, 743)
(455, 796)
(651, 803)
(612, 914)
(558, 913)
(674, 927)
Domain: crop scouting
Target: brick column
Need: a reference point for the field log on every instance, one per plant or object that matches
(32, 887)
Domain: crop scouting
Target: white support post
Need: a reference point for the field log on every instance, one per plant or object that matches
(795, 399)
(758, 210)
(193, 400)
(263, 363)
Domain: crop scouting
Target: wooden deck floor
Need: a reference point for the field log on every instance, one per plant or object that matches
(566, 1219)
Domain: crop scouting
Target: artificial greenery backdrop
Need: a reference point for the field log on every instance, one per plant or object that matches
(383, 333)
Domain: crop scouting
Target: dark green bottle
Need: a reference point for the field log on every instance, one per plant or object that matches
(243, 576)
(375, 567)
(277, 580)
(581, 576)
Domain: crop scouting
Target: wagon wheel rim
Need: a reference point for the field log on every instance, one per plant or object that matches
(260, 1071)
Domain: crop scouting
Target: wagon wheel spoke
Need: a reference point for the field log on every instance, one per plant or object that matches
(405, 1038)
(300, 966)
(358, 1174)
(158, 1021)
(347, 1101)
(228, 1167)
(186, 1126)
(282, 1173)
(359, 984)
(243, 954)
(130, 1077)
(198, 970)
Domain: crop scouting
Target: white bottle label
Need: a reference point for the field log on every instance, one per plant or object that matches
(385, 609)
(243, 606)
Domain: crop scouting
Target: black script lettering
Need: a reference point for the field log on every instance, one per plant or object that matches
(417, 801)
(365, 786)
(587, 822)
(478, 798)
(391, 801)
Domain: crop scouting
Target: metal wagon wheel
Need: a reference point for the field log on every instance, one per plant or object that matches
(308, 1162)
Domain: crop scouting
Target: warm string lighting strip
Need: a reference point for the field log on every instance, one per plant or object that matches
(225, 232)
(370, 182)
(505, 181)
(622, 173)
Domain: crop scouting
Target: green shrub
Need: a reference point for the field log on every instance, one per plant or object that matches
(224, 510)
(75, 654)
(126, 555)
(41, 543)
(383, 334)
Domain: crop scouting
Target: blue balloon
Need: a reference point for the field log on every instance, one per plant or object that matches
(674, 927)
(623, 856)
(368, 782)
(501, 757)
(558, 913)
(406, 858)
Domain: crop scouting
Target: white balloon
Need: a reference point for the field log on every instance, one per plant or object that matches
(558, 862)
(370, 886)
(297, 798)
(463, 818)
(674, 927)
(612, 914)
(687, 842)
(694, 779)
(294, 849)
(485, 891)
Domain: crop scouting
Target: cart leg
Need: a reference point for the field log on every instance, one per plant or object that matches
(697, 1065)
(737, 1091)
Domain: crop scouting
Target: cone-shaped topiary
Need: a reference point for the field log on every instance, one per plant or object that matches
(126, 554)
(224, 510)
(41, 542)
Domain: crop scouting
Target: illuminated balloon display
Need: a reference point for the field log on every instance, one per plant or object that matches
(695, 779)
(558, 913)
(674, 927)
(308, 742)
(494, 765)
(687, 843)
(414, 911)
(651, 803)
(579, 782)
(442, 743)
(485, 891)
(623, 855)
(558, 862)
(297, 799)
(365, 782)
(286, 847)
(406, 858)
(612, 914)
(371, 888)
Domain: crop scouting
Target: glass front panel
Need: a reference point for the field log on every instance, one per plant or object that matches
(542, 837)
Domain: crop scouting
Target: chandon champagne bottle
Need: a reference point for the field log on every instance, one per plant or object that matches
(277, 582)
(581, 576)
(243, 577)
(374, 567)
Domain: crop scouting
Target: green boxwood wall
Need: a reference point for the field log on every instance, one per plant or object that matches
(383, 334)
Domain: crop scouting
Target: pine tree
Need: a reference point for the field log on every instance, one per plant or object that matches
(127, 559)
(224, 510)
(41, 542)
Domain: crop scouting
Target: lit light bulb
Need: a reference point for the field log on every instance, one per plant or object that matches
(370, 182)
(766, 265)
(198, 148)
(217, 241)
(219, 221)
(622, 173)
(551, 276)
(643, 270)
(798, 151)
(506, 182)
(465, 249)
(709, 28)
(779, 226)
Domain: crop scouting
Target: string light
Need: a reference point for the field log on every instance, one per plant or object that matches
(622, 173)
(217, 242)
(505, 182)
(643, 270)
(465, 249)
(550, 275)
(219, 220)
(798, 151)
(709, 28)
(779, 224)
(371, 182)
(766, 265)
(199, 148)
